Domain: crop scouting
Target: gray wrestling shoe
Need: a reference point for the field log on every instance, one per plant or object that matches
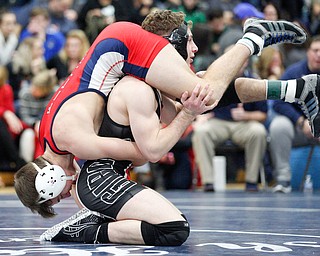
(81, 227)
(309, 102)
(272, 32)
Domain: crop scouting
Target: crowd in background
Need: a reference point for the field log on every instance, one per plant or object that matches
(41, 42)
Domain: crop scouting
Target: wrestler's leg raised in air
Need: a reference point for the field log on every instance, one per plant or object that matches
(171, 74)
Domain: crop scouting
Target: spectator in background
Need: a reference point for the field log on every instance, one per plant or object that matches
(271, 11)
(27, 61)
(94, 16)
(10, 127)
(240, 123)
(215, 21)
(206, 36)
(39, 26)
(241, 12)
(270, 64)
(62, 16)
(8, 36)
(67, 59)
(133, 10)
(313, 21)
(33, 101)
(289, 127)
(23, 9)
(193, 11)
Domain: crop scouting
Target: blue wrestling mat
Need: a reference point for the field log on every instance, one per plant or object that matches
(225, 223)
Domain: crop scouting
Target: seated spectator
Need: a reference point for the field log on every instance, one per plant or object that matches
(290, 127)
(39, 26)
(270, 64)
(8, 36)
(62, 16)
(10, 127)
(27, 61)
(243, 124)
(69, 57)
(33, 101)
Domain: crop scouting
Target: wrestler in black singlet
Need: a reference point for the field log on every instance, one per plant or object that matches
(102, 185)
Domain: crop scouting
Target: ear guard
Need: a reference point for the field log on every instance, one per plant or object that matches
(50, 182)
(179, 39)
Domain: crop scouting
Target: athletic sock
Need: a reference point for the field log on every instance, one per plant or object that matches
(276, 89)
(289, 90)
(253, 42)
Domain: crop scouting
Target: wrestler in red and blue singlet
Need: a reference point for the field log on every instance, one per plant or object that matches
(122, 48)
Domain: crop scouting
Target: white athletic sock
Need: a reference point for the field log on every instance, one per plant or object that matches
(253, 42)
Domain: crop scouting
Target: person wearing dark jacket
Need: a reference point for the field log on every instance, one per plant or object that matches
(289, 127)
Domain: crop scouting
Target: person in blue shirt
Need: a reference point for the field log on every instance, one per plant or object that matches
(290, 127)
(39, 26)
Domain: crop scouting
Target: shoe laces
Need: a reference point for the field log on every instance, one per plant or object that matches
(278, 37)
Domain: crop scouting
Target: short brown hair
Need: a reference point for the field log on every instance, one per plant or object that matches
(162, 22)
(24, 184)
(38, 11)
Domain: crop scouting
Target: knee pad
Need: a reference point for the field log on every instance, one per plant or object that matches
(171, 233)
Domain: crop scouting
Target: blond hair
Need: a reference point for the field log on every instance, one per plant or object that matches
(79, 34)
(22, 58)
(46, 80)
(263, 64)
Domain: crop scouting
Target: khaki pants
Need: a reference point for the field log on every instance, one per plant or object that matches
(250, 135)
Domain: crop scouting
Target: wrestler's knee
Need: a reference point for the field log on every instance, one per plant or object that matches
(171, 233)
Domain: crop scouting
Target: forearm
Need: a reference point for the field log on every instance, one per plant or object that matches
(101, 147)
(168, 136)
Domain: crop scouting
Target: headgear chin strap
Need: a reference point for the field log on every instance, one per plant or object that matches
(50, 181)
(179, 39)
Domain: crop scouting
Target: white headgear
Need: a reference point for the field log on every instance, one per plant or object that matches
(50, 181)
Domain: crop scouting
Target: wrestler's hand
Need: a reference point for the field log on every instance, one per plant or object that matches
(196, 104)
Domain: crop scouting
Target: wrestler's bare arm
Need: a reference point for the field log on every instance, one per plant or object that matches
(153, 140)
(76, 132)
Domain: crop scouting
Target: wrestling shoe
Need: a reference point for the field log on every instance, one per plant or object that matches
(80, 227)
(309, 102)
(264, 33)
